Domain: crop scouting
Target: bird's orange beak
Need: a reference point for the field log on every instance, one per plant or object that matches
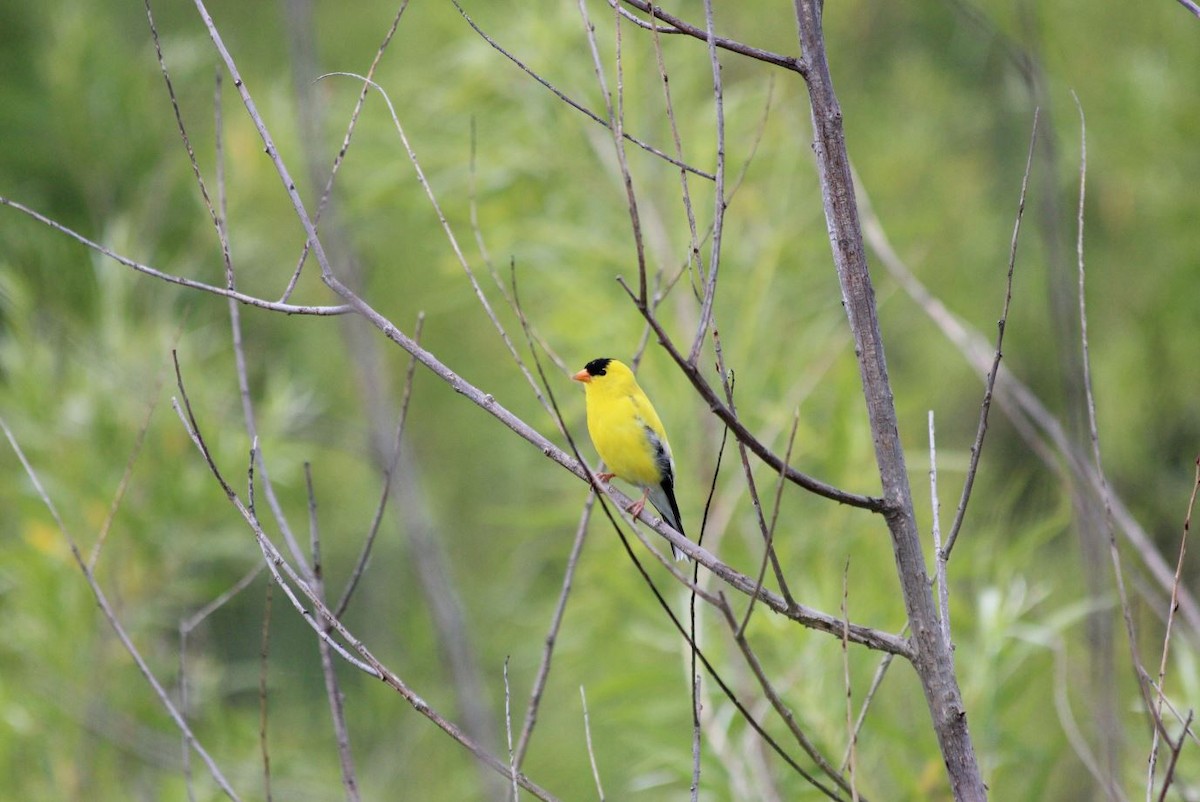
(582, 376)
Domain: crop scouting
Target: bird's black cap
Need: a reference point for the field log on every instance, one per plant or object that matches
(597, 367)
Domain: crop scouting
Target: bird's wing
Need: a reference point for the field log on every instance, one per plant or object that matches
(662, 495)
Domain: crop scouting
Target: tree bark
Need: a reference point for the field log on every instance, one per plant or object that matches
(932, 657)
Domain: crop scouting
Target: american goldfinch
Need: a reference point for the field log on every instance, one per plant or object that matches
(630, 438)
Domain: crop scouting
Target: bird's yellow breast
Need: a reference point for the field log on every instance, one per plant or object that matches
(618, 425)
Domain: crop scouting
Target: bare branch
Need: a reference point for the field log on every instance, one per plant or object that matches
(719, 202)
(1162, 665)
(327, 193)
(333, 690)
(110, 615)
(248, 300)
(543, 673)
(795, 64)
(876, 681)
(616, 124)
(389, 477)
(264, 650)
(727, 383)
(931, 653)
(781, 708)
(1118, 572)
(587, 731)
(1176, 749)
(852, 743)
(1191, 6)
(512, 756)
(571, 102)
(1026, 411)
(709, 395)
(939, 555)
(768, 549)
(990, 384)
(369, 664)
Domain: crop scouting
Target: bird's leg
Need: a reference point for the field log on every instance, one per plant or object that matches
(604, 477)
(635, 509)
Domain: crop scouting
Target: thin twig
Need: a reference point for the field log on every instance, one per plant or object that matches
(512, 756)
(573, 103)
(389, 477)
(793, 63)
(616, 124)
(185, 629)
(852, 744)
(327, 193)
(264, 651)
(719, 203)
(876, 681)
(1191, 6)
(1118, 572)
(1162, 665)
(696, 731)
(694, 260)
(694, 672)
(587, 731)
(1176, 749)
(369, 664)
(776, 701)
(1029, 415)
(248, 300)
(543, 672)
(935, 503)
(134, 453)
(110, 615)
(333, 690)
(235, 327)
(727, 383)
(775, 507)
(985, 407)
(715, 405)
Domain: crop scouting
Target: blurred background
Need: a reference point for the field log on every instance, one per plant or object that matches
(939, 102)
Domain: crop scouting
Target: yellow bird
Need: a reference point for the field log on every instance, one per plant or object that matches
(630, 438)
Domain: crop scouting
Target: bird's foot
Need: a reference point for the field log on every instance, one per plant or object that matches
(605, 477)
(635, 509)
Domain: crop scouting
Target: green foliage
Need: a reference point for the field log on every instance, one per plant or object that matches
(938, 104)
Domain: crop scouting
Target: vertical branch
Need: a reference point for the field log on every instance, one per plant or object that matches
(333, 689)
(714, 259)
(616, 124)
(512, 755)
(587, 731)
(990, 384)
(852, 745)
(1111, 786)
(111, 616)
(1160, 696)
(768, 551)
(264, 651)
(694, 259)
(941, 556)
(543, 674)
(931, 653)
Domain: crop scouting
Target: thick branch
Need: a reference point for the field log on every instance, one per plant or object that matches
(931, 652)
